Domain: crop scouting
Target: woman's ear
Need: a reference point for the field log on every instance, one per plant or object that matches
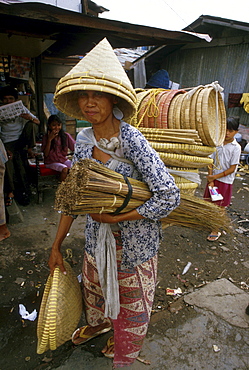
(115, 100)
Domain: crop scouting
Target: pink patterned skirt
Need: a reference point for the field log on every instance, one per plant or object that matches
(136, 289)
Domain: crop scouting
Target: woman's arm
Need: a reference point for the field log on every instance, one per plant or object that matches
(165, 194)
(51, 135)
(55, 258)
(109, 218)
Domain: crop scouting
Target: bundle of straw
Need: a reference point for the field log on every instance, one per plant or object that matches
(94, 188)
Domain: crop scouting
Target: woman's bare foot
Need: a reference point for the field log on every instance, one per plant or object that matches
(64, 173)
(4, 232)
(85, 333)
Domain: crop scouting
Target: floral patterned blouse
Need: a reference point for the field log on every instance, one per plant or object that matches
(140, 238)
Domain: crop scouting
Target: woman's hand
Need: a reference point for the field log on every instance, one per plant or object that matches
(56, 260)
(52, 134)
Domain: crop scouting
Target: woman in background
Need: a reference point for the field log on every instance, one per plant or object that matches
(55, 145)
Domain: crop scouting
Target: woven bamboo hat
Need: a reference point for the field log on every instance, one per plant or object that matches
(60, 310)
(99, 70)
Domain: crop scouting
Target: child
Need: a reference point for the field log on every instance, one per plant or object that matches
(55, 145)
(222, 173)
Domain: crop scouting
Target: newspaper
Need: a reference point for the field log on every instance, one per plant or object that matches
(12, 110)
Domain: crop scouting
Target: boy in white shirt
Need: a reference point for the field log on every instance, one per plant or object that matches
(222, 173)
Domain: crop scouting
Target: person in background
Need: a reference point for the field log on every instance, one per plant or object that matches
(4, 231)
(17, 134)
(159, 80)
(222, 173)
(55, 145)
(133, 236)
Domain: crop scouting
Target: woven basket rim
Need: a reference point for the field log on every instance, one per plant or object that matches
(172, 107)
(72, 109)
(193, 124)
(206, 117)
(82, 82)
(185, 119)
(177, 112)
(96, 75)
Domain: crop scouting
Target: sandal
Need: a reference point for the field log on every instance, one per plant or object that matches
(8, 201)
(83, 338)
(213, 237)
(109, 343)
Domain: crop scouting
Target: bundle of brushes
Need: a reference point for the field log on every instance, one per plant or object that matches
(93, 188)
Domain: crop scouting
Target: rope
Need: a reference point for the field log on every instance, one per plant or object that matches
(151, 109)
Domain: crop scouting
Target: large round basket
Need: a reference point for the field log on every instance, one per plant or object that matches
(174, 97)
(211, 117)
(179, 160)
(187, 149)
(60, 310)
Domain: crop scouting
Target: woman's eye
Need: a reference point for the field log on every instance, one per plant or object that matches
(82, 94)
(98, 93)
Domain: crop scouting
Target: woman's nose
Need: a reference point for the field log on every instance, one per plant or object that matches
(90, 101)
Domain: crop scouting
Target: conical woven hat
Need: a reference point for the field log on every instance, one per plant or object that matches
(60, 310)
(99, 70)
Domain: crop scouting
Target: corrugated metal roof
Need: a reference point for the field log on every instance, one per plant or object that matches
(215, 25)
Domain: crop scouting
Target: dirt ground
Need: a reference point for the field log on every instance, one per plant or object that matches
(24, 271)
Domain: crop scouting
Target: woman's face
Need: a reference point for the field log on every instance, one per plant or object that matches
(55, 126)
(96, 106)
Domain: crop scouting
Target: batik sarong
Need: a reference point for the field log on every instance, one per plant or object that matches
(136, 289)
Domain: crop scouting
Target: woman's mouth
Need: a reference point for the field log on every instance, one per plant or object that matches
(91, 113)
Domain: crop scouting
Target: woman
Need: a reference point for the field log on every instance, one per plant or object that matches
(55, 145)
(136, 234)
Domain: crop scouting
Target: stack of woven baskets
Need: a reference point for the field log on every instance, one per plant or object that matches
(183, 127)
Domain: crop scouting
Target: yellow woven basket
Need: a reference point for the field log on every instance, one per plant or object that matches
(189, 161)
(60, 310)
(187, 149)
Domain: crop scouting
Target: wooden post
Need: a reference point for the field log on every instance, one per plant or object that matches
(39, 93)
(84, 4)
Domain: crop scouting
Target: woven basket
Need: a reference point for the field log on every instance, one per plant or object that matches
(211, 129)
(172, 108)
(187, 149)
(185, 112)
(140, 117)
(178, 118)
(171, 135)
(189, 161)
(60, 310)
(151, 109)
(192, 109)
(93, 74)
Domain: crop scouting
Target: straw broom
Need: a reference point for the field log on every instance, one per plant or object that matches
(94, 188)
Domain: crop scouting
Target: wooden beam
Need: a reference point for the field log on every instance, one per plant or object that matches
(51, 14)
